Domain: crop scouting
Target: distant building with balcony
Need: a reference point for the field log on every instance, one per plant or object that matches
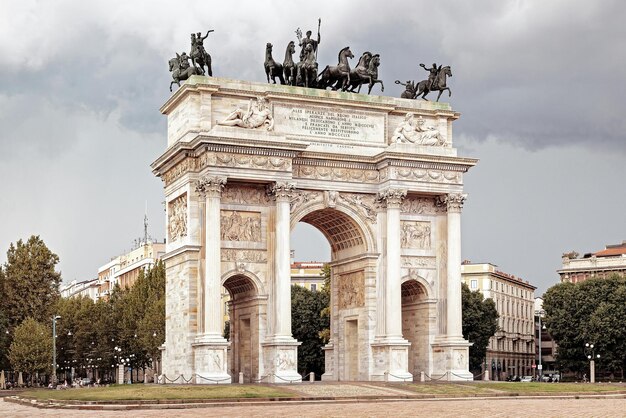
(602, 264)
(75, 289)
(124, 269)
(511, 351)
(307, 274)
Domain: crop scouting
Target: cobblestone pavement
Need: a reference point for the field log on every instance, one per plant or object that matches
(346, 389)
(611, 407)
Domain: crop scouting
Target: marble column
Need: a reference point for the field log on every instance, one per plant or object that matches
(281, 349)
(393, 302)
(454, 203)
(210, 347)
(451, 350)
(390, 349)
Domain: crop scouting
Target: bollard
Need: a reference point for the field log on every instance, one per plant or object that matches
(386, 376)
(486, 374)
(312, 377)
(241, 378)
(422, 376)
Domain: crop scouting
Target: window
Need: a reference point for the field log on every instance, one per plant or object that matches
(313, 287)
(474, 284)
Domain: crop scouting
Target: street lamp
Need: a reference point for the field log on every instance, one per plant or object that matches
(590, 350)
(54, 349)
(540, 313)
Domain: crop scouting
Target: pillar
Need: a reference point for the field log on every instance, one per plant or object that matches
(280, 350)
(210, 347)
(389, 346)
(451, 350)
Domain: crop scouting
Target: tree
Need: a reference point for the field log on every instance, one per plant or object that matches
(480, 323)
(592, 311)
(31, 349)
(306, 324)
(29, 285)
(325, 314)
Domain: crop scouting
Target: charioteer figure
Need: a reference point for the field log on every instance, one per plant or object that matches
(303, 42)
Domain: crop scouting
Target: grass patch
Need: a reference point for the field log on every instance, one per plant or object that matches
(154, 392)
(552, 388)
(448, 389)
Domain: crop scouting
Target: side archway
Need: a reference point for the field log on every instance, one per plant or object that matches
(418, 321)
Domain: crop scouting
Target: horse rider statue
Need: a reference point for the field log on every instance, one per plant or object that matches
(199, 56)
(433, 74)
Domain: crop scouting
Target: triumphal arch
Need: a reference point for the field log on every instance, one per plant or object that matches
(378, 176)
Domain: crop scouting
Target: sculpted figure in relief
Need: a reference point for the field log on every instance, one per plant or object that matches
(415, 235)
(258, 114)
(235, 227)
(177, 222)
(416, 132)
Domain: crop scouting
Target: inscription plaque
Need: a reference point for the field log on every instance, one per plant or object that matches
(331, 123)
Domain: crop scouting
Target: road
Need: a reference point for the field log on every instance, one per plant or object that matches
(503, 407)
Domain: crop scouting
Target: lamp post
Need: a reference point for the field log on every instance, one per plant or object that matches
(54, 349)
(590, 350)
(540, 313)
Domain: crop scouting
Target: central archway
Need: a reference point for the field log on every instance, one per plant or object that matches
(353, 284)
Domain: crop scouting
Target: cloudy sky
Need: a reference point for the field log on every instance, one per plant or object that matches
(540, 85)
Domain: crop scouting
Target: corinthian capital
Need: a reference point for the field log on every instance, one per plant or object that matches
(452, 202)
(210, 186)
(392, 197)
(281, 191)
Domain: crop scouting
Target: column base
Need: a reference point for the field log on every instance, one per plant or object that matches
(391, 360)
(329, 363)
(281, 360)
(451, 359)
(210, 361)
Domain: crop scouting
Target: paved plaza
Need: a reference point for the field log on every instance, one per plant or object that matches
(585, 407)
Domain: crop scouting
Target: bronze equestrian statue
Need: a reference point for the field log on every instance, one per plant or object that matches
(180, 69)
(366, 71)
(199, 57)
(333, 76)
(272, 68)
(438, 83)
(289, 67)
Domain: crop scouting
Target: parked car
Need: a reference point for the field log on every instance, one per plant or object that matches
(85, 381)
(526, 379)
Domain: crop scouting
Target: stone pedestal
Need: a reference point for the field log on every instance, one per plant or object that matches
(281, 361)
(210, 359)
(329, 362)
(391, 361)
(451, 358)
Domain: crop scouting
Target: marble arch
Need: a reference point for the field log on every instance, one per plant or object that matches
(390, 208)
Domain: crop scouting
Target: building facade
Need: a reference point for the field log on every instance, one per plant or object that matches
(75, 289)
(511, 351)
(124, 269)
(307, 274)
(611, 260)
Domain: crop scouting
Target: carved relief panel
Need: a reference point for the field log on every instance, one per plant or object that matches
(351, 290)
(415, 234)
(240, 226)
(245, 195)
(177, 218)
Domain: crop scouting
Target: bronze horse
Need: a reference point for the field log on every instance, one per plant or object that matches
(438, 85)
(366, 72)
(331, 76)
(272, 68)
(289, 68)
(177, 73)
(307, 69)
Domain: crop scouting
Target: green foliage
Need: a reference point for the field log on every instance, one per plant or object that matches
(325, 332)
(306, 323)
(29, 285)
(592, 311)
(31, 349)
(480, 322)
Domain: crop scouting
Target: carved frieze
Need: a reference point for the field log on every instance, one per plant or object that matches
(251, 256)
(174, 173)
(245, 195)
(365, 204)
(286, 359)
(357, 175)
(224, 159)
(351, 290)
(419, 205)
(415, 234)
(240, 226)
(419, 262)
(430, 175)
(177, 218)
